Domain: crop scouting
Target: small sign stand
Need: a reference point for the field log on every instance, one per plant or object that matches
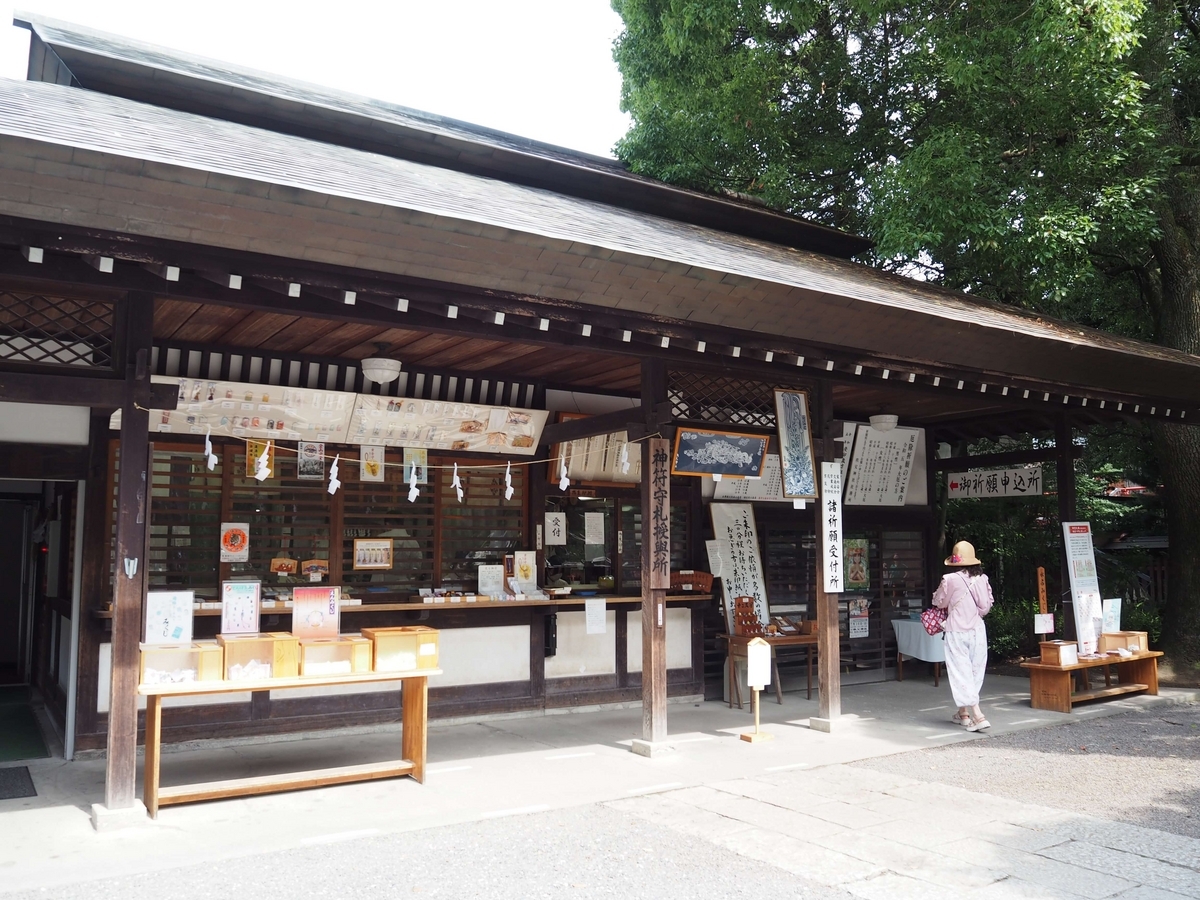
(1043, 622)
(758, 674)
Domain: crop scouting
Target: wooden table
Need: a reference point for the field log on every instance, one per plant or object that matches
(414, 720)
(1050, 686)
(736, 649)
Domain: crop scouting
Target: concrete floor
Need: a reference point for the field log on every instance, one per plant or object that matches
(483, 771)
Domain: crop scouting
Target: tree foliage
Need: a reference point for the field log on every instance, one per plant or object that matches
(1044, 153)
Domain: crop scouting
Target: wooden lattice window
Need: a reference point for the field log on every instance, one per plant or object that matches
(185, 514)
(287, 516)
(381, 510)
(631, 543)
(483, 527)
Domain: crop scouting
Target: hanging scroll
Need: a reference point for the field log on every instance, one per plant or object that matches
(795, 445)
(741, 564)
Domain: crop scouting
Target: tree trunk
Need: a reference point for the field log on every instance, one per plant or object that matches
(1179, 445)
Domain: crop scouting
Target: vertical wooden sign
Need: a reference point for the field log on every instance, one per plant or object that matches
(660, 515)
(1042, 590)
(830, 526)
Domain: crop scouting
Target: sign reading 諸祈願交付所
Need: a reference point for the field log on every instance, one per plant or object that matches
(830, 525)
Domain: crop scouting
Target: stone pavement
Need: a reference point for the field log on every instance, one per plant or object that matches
(791, 808)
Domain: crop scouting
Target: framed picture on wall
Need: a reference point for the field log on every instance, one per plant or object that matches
(725, 453)
(372, 553)
(797, 468)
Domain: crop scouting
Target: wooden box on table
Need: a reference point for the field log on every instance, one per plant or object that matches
(257, 656)
(342, 655)
(1137, 641)
(1059, 653)
(403, 648)
(193, 661)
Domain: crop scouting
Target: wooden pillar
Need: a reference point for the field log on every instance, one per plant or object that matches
(133, 513)
(1064, 443)
(656, 563)
(656, 579)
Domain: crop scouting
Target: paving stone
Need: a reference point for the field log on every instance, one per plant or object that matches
(1016, 889)
(811, 861)
(847, 815)
(1038, 869)
(1145, 892)
(776, 818)
(680, 817)
(891, 886)
(1141, 869)
(1151, 843)
(924, 865)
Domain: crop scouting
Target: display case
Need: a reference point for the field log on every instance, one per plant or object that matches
(343, 655)
(1137, 641)
(257, 656)
(403, 648)
(1059, 653)
(178, 663)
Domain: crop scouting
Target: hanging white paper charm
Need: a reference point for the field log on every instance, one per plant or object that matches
(262, 470)
(563, 481)
(209, 456)
(625, 459)
(456, 483)
(413, 491)
(334, 483)
(508, 488)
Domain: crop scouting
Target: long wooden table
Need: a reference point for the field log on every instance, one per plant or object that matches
(1050, 686)
(736, 649)
(414, 721)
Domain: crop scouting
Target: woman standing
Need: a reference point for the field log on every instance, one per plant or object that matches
(966, 596)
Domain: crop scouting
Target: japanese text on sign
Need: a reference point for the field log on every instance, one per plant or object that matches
(1024, 482)
(660, 515)
(830, 526)
(741, 565)
(881, 466)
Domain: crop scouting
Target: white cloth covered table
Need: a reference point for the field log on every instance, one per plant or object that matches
(913, 641)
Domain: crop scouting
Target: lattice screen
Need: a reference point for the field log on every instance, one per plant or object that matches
(55, 330)
(721, 399)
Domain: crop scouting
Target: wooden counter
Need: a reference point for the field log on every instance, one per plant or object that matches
(1050, 686)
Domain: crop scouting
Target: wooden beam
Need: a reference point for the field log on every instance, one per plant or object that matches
(81, 390)
(39, 462)
(133, 514)
(592, 426)
(1001, 460)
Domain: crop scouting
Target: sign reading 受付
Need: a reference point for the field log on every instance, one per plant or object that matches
(1025, 482)
(830, 524)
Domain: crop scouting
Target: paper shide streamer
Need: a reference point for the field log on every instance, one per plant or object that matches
(262, 469)
(563, 481)
(456, 483)
(334, 483)
(413, 491)
(508, 488)
(209, 456)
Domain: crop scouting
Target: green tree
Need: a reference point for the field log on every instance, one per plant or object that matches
(1039, 152)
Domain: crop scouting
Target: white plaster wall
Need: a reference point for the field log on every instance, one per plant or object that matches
(482, 655)
(34, 423)
(679, 639)
(580, 653)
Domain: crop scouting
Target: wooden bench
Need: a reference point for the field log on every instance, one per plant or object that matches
(1050, 686)
(414, 720)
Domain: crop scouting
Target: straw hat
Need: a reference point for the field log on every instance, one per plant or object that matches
(963, 554)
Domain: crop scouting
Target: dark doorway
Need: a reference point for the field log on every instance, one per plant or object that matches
(16, 607)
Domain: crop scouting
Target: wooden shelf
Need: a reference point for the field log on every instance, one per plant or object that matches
(1115, 690)
(1093, 663)
(194, 688)
(292, 781)
(573, 600)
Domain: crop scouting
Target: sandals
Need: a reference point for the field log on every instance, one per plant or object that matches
(978, 724)
(963, 719)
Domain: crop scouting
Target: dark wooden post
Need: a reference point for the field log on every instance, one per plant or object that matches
(656, 565)
(1064, 444)
(133, 513)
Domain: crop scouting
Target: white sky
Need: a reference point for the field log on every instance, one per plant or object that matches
(538, 68)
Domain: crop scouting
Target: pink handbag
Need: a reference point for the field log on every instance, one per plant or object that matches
(933, 619)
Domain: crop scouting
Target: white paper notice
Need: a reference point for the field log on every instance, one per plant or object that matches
(1043, 623)
(594, 614)
(758, 663)
(1112, 614)
(593, 528)
(715, 563)
(1085, 586)
(556, 529)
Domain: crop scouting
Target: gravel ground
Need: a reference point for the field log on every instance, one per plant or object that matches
(1142, 767)
(581, 853)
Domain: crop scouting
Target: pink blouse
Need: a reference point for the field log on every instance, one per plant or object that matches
(964, 598)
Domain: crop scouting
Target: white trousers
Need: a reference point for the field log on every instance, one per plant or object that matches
(966, 660)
